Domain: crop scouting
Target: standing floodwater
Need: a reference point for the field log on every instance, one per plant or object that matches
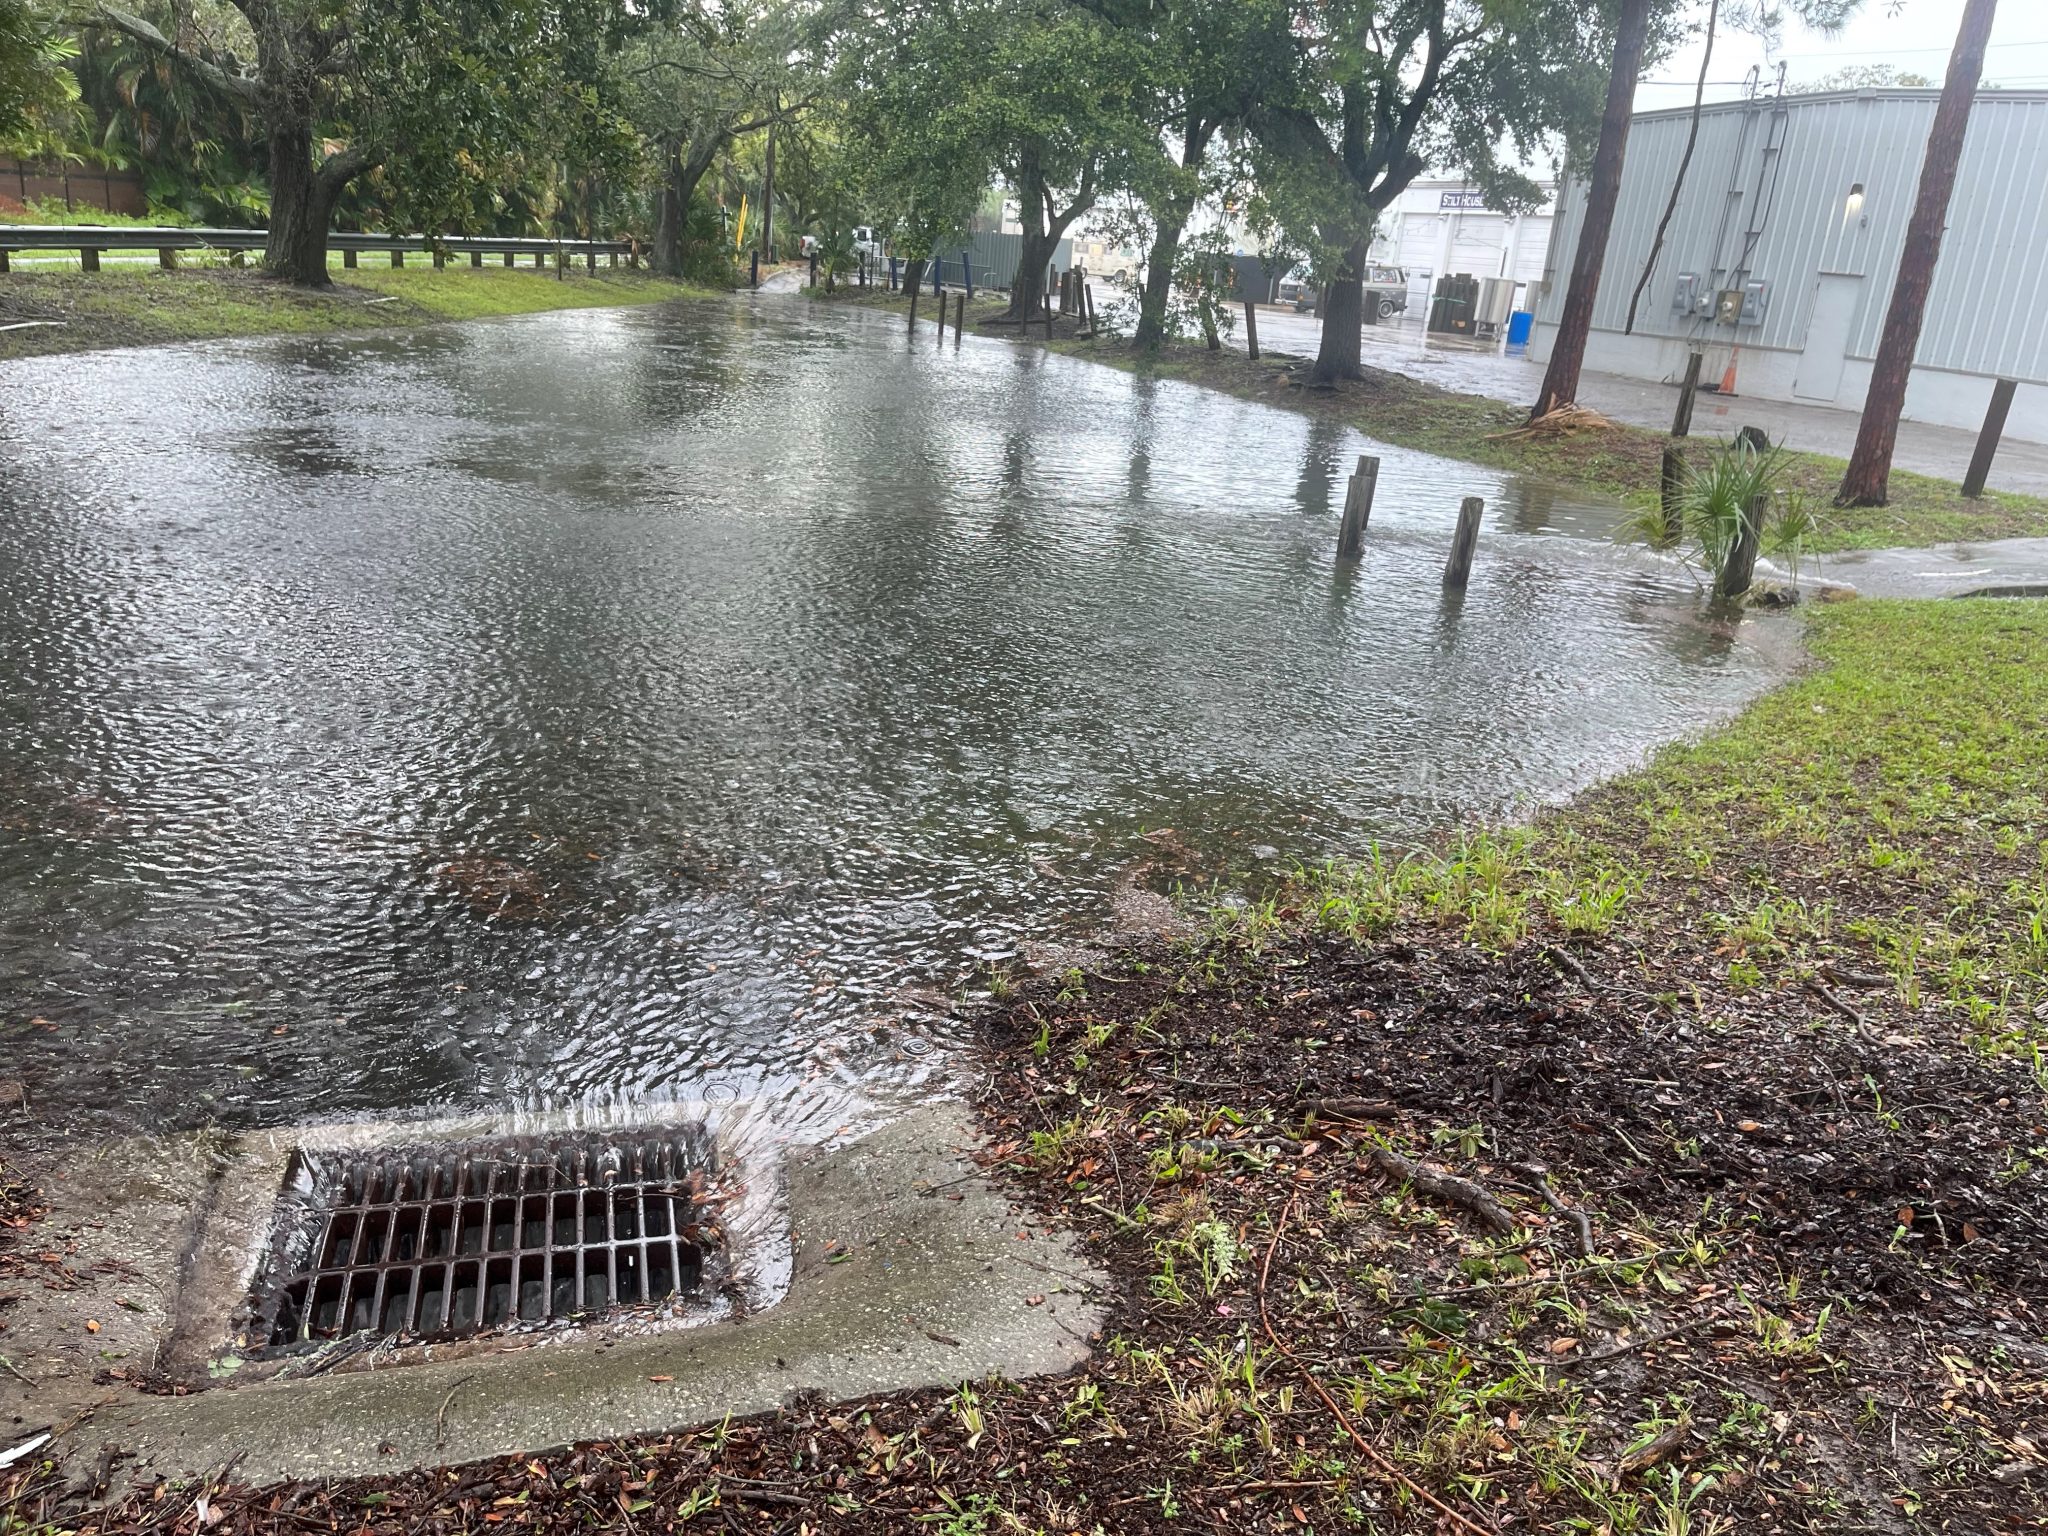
(675, 702)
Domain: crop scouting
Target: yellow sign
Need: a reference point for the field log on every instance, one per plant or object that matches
(740, 234)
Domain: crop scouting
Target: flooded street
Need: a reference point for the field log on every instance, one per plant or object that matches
(683, 702)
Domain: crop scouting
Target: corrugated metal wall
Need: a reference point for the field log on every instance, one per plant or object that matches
(995, 258)
(1988, 312)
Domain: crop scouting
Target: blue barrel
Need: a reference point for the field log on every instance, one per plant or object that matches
(1520, 324)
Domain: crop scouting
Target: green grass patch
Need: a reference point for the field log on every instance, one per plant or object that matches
(141, 307)
(1887, 812)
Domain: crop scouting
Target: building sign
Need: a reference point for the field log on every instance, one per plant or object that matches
(1461, 200)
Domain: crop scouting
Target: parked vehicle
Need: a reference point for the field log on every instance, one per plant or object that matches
(1386, 290)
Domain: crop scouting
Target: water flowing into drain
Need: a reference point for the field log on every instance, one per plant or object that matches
(435, 1243)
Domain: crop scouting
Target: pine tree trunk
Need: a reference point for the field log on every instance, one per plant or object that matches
(1603, 189)
(1343, 318)
(1868, 481)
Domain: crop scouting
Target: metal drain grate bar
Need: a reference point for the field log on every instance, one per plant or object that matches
(445, 1243)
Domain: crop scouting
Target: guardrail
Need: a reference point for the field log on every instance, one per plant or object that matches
(91, 240)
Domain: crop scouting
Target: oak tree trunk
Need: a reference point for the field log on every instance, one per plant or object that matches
(1027, 289)
(1165, 253)
(1868, 481)
(668, 223)
(1603, 189)
(1343, 320)
(1159, 265)
(301, 200)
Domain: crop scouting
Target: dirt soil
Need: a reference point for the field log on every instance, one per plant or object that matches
(1805, 1296)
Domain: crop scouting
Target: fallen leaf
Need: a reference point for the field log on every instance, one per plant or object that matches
(1563, 1346)
(661, 1378)
(92, 1325)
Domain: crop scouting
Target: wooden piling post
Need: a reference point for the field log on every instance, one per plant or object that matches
(913, 307)
(1088, 299)
(476, 259)
(398, 258)
(1251, 329)
(754, 270)
(1048, 317)
(1357, 507)
(590, 260)
(1735, 576)
(1464, 543)
(539, 260)
(88, 260)
(1681, 421)
(348, 259)
(1670, 490)
(511, 257)
(1987, 440)
(959, 318)
(3, 264)
(167, 258)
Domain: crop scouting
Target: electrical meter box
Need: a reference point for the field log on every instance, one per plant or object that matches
(1686, 294)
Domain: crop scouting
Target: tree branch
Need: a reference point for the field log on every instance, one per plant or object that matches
(243, 87)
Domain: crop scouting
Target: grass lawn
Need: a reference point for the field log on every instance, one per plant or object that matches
(141, 307)
(1674, 1164)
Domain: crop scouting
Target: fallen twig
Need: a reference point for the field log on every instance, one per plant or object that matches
(1540, 1176)
(1372, 1452)
(1834, 1000)
(1341, 1111)
(1445, 1186)
(1566, 961)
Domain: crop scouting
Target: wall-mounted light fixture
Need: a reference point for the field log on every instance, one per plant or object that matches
(1853, 207)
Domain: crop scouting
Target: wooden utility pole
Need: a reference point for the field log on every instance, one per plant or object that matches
(1868, 481)
(1603, 189)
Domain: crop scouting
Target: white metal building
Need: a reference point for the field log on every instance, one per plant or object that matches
(1436, 227)
(1786, 241)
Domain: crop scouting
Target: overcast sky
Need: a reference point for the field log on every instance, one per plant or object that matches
(1917, 40)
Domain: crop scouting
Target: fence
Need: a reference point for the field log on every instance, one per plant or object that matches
(91, 240)
(114, 191)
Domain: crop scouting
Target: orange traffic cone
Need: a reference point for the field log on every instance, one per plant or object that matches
(1728, 375)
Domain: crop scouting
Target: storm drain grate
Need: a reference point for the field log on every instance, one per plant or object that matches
(435, 1243)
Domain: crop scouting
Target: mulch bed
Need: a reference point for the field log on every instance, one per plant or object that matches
(1407, 1236)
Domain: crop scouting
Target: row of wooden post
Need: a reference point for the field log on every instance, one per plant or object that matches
(959, 315)
(1358, 494)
